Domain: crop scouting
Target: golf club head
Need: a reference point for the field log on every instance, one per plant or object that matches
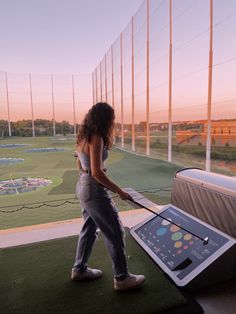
(206, 240)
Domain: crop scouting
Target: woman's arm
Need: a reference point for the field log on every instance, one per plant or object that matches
(78, 164)
(95, 151)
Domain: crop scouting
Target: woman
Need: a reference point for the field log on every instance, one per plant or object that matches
(93, 142)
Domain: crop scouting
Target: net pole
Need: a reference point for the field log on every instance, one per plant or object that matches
(208, 141)
(112, 89)
(121, 92)
(93, 88)
(170, 88)
(147, 80)
(96, 78)
(132, 69)
(73, 100)
(106, 77)
(32, 106)
(112, 78)
(8, 105)
(53, 106)
(101, 79)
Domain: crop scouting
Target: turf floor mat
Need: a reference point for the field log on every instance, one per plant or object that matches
(36, 279)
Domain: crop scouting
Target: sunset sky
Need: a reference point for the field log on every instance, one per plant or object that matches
(66, 37)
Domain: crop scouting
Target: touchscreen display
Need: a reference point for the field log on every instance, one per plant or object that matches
(176, 248)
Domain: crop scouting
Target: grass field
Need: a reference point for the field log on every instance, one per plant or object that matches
(223, 158)
(142, 173)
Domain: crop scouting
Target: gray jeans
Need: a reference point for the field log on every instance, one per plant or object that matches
(99, 211)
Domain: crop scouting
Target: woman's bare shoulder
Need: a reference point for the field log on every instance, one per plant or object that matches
(96, 140)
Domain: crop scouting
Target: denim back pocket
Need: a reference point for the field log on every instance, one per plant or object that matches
(83, 189)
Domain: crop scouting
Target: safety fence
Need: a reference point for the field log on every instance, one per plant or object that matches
(170, 77)
(42, 104)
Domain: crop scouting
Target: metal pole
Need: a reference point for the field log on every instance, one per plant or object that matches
(121, 93)
(208, 143)
(147, 84)
(106, 76)
(96, 77)
(8, 106)
(133, 128)
(101, 79)
(170, 91)
(112, 78)
(112, 89)
(53, 110)
(32, 107)
(73, 95)
(93, 88)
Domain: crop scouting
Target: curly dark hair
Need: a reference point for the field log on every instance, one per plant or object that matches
(98, 121)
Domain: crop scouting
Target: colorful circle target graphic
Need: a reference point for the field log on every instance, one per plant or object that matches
(22, 185)
(161, 231)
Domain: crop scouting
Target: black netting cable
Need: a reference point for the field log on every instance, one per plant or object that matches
(73, 201)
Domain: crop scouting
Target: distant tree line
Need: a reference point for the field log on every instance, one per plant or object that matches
(42, 127)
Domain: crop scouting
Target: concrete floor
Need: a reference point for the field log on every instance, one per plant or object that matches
(218, 299)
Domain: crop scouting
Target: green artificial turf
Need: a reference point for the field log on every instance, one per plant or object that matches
(68, 184)
(128, 170)
(140, 172)
(36, 279)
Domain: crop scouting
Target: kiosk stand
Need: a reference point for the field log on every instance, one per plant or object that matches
(208, 196)
(174, 239)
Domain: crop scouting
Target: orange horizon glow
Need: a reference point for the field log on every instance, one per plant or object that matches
(190, 71)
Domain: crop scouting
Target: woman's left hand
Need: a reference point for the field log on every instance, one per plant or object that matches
(124, 195)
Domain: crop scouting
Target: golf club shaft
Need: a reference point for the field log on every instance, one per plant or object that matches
(200, 238)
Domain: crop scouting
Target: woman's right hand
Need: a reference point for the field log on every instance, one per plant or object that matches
(124, 195)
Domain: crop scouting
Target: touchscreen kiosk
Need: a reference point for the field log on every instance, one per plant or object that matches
(173, 239)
